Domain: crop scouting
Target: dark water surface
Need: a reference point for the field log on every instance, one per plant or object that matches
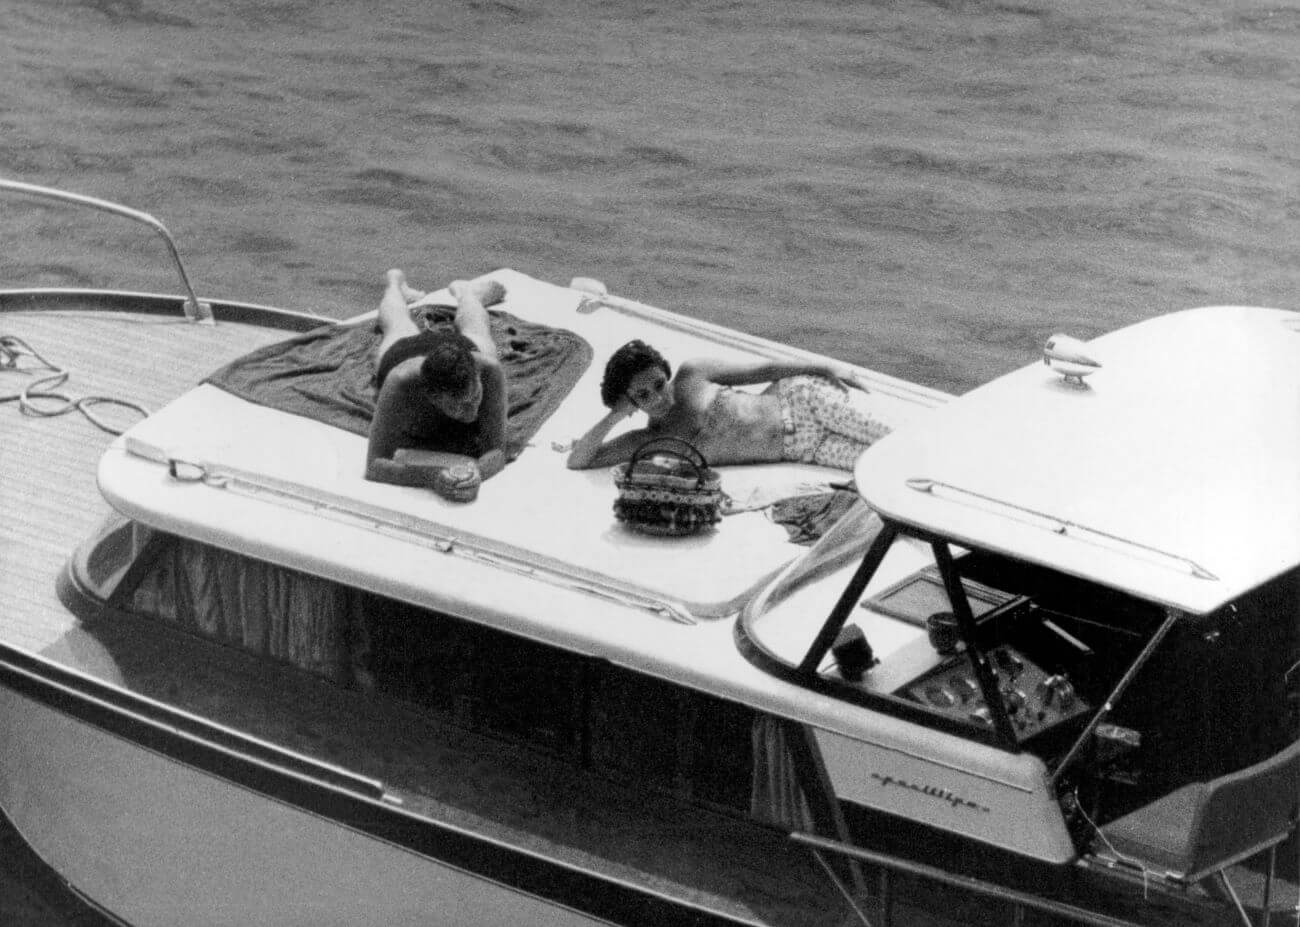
(929, 189)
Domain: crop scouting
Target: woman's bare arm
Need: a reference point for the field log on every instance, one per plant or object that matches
(736, 373)
(592, 450)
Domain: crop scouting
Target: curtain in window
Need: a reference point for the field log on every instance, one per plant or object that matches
(775, 794)
(309, 622)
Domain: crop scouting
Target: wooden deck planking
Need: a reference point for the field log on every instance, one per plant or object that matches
(48, 493)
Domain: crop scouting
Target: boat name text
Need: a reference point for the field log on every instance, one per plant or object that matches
(954, 800)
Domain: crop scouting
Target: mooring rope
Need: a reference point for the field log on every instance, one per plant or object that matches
(34, 398)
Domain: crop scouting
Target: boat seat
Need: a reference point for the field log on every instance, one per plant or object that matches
(1198, 831)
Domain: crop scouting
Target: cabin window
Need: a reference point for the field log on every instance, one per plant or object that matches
(845, 541)
(617, 722)
(614, 721)
(100, 563)
(269, 610)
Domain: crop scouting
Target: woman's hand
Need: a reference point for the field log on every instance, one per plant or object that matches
(846, 377)
(591, 450)
(625, 407)
(856, 380)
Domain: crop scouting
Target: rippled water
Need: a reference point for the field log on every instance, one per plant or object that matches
(929, 189)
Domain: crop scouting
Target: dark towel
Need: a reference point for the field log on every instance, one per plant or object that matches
(327, 374)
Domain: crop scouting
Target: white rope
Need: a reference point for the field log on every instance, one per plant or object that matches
(34, 398)
(1131, 860)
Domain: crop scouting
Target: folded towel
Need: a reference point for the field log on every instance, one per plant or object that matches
(327, 374)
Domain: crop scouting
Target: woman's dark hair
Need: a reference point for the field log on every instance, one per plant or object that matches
(624, 364)
(449, 366)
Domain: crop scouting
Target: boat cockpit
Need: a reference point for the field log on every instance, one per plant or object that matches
(1122, 699)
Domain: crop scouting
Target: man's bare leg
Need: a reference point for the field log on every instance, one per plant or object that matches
(394, 316)
(410, 293)
(484, 292)
(472, 298)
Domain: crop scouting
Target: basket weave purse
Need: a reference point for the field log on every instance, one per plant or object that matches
(667, 488)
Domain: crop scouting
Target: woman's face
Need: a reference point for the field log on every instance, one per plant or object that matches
(650, 393)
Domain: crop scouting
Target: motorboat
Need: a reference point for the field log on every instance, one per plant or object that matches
(239, 683)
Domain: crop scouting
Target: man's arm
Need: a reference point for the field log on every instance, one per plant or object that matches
(385, 435)
(452, 476)
(388, 462)
(492, 416)
(406, 472)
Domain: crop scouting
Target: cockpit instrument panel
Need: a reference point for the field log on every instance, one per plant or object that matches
(1035, 699)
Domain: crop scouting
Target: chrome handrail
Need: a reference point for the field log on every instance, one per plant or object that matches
(888, 864)
(1060, 526)
(195, 309)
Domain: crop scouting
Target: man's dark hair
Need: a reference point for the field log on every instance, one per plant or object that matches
(449, 366)
(624, 364)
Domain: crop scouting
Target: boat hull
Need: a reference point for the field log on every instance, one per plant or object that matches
(144, 822)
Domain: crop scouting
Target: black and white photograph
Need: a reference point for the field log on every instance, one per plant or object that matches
(832, 463)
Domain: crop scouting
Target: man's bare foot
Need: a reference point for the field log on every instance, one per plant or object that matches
(409, 293)
(487, 292)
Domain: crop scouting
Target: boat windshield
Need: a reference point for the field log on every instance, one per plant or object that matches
(1019, 656)
(844, 542)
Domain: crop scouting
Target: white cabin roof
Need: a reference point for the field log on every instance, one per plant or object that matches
(534, 516)
(1173, 473)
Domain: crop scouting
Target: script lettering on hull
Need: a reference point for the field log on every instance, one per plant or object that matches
(954, 800)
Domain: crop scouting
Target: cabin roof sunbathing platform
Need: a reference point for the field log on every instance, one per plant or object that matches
(266, 466)
(1006, 644)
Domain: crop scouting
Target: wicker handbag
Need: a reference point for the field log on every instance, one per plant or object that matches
(667, 488)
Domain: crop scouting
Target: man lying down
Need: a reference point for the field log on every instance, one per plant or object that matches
(440, 410)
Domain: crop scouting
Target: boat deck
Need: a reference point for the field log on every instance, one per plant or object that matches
(49, 463)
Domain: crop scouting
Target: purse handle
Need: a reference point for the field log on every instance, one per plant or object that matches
(670, 445)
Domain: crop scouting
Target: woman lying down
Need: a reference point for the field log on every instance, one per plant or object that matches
(810, 413)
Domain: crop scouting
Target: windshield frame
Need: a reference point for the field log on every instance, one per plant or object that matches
(806, 672)
(1000, 732)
